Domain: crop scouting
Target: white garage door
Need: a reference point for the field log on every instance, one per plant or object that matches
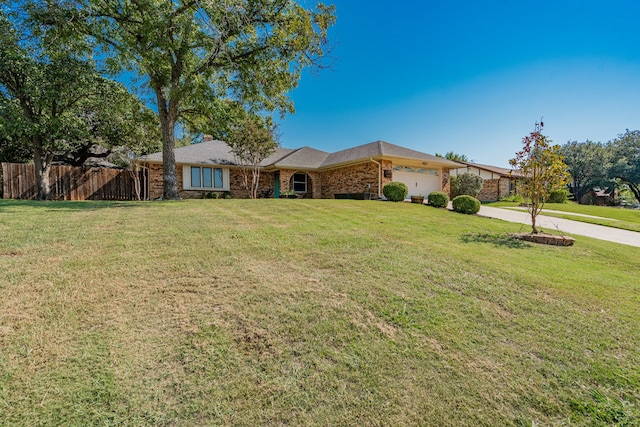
(419, 181)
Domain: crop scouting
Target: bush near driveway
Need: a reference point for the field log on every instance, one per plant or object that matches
(466, 205)
(395, 191)
(438, 199)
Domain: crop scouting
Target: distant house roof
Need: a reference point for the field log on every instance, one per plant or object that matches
(216, 152)
(495, 169)
(603, 192)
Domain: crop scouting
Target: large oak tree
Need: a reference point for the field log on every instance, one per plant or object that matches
(588, 163)
(625, 164)
(54, 104)
(196, 53)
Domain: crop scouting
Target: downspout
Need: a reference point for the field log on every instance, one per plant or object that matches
(379, 176)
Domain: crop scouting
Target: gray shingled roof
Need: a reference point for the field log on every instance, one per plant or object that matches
(382, 149)
(303, 158)
(218, 153)
(495, 169)
(212, 153)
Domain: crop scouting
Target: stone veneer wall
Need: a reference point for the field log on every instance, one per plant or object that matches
(446, 181)
(504, 187)
(489, 190)
(494, 189)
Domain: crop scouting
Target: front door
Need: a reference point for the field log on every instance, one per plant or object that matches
(276, 185)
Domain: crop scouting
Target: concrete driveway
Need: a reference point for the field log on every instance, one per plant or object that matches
(610, 234)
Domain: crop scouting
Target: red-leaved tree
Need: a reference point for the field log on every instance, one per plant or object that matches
(543, 169)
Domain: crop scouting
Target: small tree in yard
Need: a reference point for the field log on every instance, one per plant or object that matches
(543, 168)
(251, 141)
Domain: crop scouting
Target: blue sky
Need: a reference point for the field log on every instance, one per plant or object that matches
(472, 76)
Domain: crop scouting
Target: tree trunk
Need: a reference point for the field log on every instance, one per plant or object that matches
(168, 117)
(42, 162)
(635, 190)
(255, 181)
(534, 211)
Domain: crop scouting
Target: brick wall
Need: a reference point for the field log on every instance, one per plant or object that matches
(351, 179)
(362, 178)
(494, 189)
(489, 191)
(314, 182)
(236, 184)
(236, 187)
(446, 181)
(504, 187)
(155, 180)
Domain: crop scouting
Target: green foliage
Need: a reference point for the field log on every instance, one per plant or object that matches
(588, 164)
(198, 56)
(625, 164)
(454, 156)
(252, 140)
(395, 191)
(54, 105)
(513, 197)
(544, 171)
(466, 184)
(466, 204)
(558, 196)
(211, 195)
(438, 199)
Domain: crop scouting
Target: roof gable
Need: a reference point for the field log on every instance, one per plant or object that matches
(380, 149)
(217, 152)
(495, 169)
(212, 152)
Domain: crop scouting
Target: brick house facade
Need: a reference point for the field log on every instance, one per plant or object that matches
(210, 167)
(496, 182)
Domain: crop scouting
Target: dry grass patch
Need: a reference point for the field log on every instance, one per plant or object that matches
(278, 312)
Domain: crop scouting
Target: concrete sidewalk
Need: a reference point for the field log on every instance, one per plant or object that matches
(610, 234)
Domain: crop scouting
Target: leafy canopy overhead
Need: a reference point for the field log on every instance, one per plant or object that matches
(53, 104)
(197, 54)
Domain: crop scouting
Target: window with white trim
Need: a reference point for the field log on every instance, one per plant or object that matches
(204, 178)
(299, 182)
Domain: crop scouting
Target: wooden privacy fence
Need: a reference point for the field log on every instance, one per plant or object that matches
(72, 183)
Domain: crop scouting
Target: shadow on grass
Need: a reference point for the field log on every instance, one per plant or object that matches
(61, 205)
(498, 240)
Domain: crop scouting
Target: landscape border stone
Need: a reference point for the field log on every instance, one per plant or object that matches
(545, 239)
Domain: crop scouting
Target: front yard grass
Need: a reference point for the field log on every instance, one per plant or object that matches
(626, 219)
(308, 312)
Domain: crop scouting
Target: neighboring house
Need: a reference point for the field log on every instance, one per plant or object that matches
(497, 182)
(601, 197)
(210, 166)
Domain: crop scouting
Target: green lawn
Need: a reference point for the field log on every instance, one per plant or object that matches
(627, 219)
(308, 312)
